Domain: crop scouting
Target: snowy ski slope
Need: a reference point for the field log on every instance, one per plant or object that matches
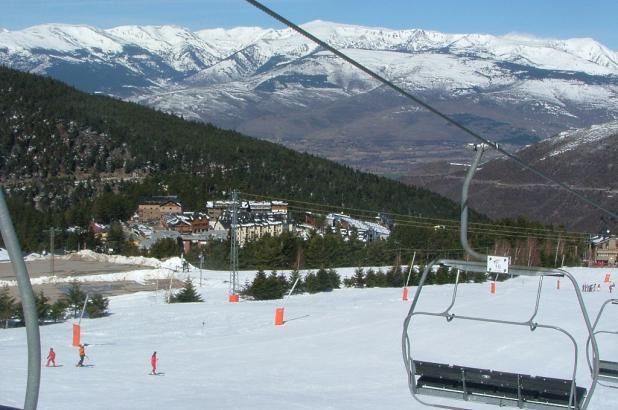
(337, 350)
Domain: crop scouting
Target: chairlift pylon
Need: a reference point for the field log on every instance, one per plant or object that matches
(489, 386)
(608, 370)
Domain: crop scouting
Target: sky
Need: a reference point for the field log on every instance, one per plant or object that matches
(543, 18)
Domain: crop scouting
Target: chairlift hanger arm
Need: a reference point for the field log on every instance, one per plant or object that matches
(28, 302)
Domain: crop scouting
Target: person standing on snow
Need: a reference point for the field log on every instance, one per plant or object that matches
(82, 355)
(153, 363)
(51, 357)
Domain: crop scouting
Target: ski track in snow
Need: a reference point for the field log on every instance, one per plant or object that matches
(337, 350)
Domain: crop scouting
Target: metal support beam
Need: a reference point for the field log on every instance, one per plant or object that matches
(29, 305)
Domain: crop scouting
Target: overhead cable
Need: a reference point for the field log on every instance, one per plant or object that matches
(423, 104)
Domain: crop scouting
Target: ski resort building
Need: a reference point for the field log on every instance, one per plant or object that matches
(253, 231)
(152, 208)
(186, 222)
(362, 230)
(605, 250)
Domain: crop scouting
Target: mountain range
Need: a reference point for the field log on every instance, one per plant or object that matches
(277, 85)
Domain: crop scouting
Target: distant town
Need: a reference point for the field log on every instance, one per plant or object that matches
(162, 217)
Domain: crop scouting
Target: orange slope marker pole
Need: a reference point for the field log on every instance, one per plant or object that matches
(76, 334)
(405, 288)
(77, 326)
(280, 311)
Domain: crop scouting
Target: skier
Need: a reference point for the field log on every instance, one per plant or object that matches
(51, 357)
(153, 363)
(82, 355)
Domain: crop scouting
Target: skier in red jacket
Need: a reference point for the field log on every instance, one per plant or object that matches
(153, 362)
(51, 357)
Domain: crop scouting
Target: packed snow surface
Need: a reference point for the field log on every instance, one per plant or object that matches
(336, 350)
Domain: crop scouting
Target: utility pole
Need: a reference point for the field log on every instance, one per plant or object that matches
(201, 263)
(234, 244)
(557, 247)
(52, 234)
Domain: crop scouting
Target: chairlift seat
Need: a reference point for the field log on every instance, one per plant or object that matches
(608, 371)
(495, 387)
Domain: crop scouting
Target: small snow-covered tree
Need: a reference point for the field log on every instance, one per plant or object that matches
(75, 297)
(187, 294)
(97, 306)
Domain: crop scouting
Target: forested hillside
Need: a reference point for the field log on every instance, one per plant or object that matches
(67, 157)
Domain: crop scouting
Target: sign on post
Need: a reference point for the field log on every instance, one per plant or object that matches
(497, 264)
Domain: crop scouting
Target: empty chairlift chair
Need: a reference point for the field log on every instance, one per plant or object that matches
(608, 370)
(500, 388)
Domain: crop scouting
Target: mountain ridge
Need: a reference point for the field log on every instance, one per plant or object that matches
(583, 159)
(265, 82)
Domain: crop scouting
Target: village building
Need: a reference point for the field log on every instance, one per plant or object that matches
(186, 222)
(216, 208)
(154, 207)
(605, 250)
(259, 206)
(279, 207)
(253, 231)
(351, 228)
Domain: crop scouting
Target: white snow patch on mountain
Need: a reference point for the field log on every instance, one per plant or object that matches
(572, 139)
(59, 37)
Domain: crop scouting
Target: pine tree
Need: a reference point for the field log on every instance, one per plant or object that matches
(58, 309)
(97, 306)
(334, 279)
(268, 287)
(75, 298)
(164, 248)
(43, 307)
(300, 286)
(394, 277)
(312, 284)
(359, 278)
(187, 294)
(7, 306)
(371, 280)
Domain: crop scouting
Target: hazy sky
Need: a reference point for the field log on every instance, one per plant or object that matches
(545, 18)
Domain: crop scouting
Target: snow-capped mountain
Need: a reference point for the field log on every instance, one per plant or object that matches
(279, 85)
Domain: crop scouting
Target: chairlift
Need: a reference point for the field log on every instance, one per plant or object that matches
(608, 370)
(489, 386)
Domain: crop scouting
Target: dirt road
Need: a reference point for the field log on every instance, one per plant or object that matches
(72, 268)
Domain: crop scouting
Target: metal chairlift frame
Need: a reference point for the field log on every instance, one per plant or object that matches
(608, 370)
(29, 305)
(518, 395)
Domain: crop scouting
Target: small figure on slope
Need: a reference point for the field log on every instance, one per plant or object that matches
(153, 363)
(82, 355)
(51, 357)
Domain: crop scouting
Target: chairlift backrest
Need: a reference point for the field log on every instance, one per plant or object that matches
(485, 385)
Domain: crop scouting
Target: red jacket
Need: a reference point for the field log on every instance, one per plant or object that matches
(51, 355)
(153, 360)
